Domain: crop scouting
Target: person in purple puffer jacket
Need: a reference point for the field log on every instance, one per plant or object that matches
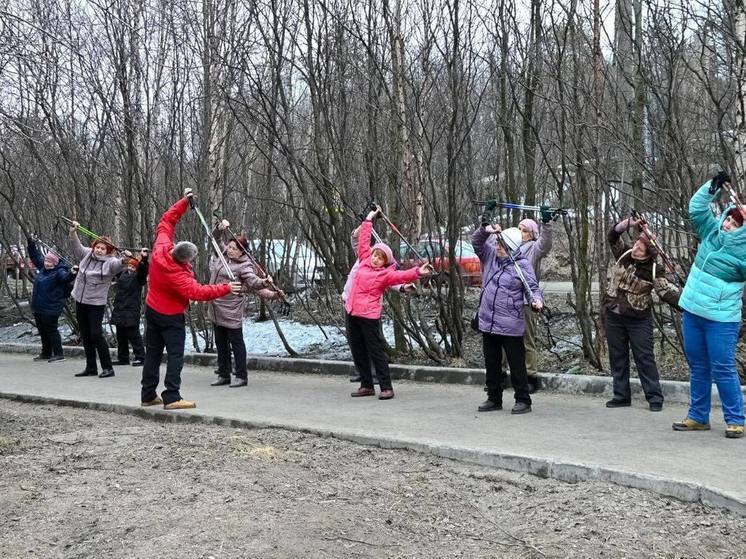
(500, 315)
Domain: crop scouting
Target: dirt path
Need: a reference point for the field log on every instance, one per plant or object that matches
(90, 484)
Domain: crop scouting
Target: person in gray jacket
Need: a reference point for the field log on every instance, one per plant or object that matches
(226, 313)
(98, 266)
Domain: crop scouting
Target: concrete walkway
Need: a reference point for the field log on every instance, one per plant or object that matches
(567, 437)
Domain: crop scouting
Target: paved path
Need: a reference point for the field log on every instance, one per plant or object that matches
(566, 437)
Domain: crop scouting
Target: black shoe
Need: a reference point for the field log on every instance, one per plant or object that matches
(239, 382)
(656, 406)
(87, 373)
(534, 385)
(41, 358)
(614, 403)
(520, 408)
(489, 405)
(221, 381)
(121, 362)
(56, 359)
(138, 362)
(106, 373)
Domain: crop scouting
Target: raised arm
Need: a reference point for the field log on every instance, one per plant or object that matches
(544, 242)
(164, 233)
(482, 248)
(35, 254)
(363, 244)
(614, 238)
(79, 251)
(701, 216)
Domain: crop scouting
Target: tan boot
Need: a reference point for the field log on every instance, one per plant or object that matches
(734, 431)
(690, 425)
(154, 402)
(180, 405)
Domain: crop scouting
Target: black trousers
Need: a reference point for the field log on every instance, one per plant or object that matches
(493, 345)
(163, 331)
(127, 335)
(227, 339)
(51, 342)
(623, 333)
(90, 320)
(367, 345)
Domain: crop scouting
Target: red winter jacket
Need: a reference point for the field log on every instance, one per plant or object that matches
(171, 284)
(369, 283)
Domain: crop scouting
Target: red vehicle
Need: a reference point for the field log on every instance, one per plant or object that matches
(16, 261)
(436, 251)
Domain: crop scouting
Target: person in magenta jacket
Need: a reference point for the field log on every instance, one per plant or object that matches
(376, 272)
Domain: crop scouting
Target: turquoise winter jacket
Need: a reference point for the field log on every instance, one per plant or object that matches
(715, 284)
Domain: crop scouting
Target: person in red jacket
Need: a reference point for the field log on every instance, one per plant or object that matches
(170, 288)
(376, 272)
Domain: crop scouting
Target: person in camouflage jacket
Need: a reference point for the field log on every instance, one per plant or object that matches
(627, 314)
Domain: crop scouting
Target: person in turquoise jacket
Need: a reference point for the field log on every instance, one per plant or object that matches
(711, 301)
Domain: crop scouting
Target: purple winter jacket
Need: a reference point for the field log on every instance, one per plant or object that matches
(501, 309)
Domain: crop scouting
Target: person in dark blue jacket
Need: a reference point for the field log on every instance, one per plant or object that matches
(51, 287)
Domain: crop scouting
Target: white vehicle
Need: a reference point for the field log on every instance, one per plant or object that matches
(292, 263)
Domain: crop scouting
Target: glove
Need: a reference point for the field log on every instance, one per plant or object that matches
(490, 205)
(546, 214)
(717, 181)
(485, 219)
(188, 193)
(74, 269)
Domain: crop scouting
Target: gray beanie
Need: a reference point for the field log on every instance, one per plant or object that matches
(184, 252)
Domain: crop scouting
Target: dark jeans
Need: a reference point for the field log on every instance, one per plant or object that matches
(493, 346)
(367, 345)
(129, 335)
(90, 320)
(227, 339)
(623, 333)
(51, 342)
(163, 331)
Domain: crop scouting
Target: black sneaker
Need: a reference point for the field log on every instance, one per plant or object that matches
(56, 359)
(656, 406)
(489, 405)
(614, 403)
(121, 362)
(520, 408)
(106, 373)
(221, 381)
(41, 358)
(238, 383)
(87, 373)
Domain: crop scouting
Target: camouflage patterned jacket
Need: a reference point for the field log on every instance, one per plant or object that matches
(630, 282)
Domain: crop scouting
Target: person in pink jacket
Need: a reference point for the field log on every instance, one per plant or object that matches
(376, 272)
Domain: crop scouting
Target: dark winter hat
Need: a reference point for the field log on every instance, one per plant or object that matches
(735, 215)
(184, 252)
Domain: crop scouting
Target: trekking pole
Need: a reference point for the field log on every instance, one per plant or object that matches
(53, 250)
(544, 310)
(96, 237)
(490, 205)
(734, 199)
(645, 230)
(254, 262)
(215, 245)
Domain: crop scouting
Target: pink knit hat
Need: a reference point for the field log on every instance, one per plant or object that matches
(532, 226)
(383, 247)
(52, 258)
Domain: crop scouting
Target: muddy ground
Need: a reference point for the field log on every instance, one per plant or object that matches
(80, 484)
